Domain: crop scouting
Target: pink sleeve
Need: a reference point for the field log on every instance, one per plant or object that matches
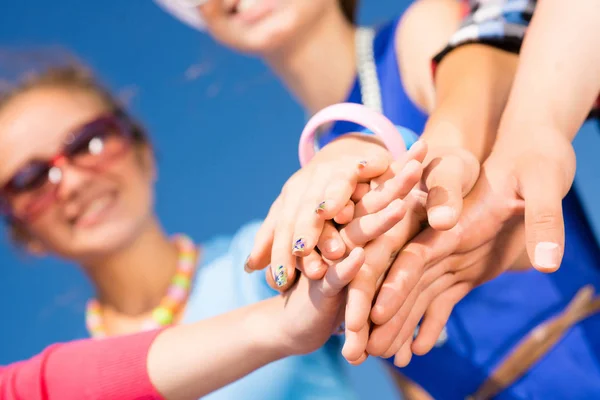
(113, 368)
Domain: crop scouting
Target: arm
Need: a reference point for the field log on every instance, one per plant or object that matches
(86, 369)
(465, 100)
(559, 71)
(559, 74)
(187, 361)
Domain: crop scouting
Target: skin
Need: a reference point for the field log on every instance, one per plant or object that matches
(460, 132)
(35, 124)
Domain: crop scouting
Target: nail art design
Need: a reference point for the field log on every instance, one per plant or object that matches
(247, 268)
(320, 207)
(362, 164)
(299, 246)
(280, 276)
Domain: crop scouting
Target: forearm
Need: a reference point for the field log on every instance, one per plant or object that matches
(183, 362)
(112, 368)
(472, 87)
(190, 361)
(558, 78)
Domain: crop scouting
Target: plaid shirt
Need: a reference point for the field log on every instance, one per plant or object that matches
(498, 23)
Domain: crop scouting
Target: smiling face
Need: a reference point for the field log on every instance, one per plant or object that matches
(263, 26)
(97, 195)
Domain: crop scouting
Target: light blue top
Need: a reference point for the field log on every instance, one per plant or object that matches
(221, 285)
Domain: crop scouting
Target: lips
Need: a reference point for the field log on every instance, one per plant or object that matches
(252, 10)
(93, 211)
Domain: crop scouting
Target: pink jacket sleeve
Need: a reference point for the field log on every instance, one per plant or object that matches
(113, 368)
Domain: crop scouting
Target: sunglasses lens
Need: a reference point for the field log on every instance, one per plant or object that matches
(97, 143)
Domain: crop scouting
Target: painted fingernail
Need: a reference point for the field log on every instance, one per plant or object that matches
(320, 207)
(299, 246)
(362, 164)
(331, 245)
(546, 255)
(247, 266)
(280, 275)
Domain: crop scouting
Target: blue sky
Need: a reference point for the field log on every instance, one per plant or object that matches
(225, 130)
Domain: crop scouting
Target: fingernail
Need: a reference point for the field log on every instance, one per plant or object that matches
(331, 245)
(247, 266)
(442, 214)
(299, 246)
(280, 275)
(362, 164)
(320, 207)
(546, 255)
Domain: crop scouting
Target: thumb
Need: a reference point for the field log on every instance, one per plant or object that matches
(448, 178)
(541, 185)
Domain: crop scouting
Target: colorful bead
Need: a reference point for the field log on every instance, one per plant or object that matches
(181, 281)
(162, 315)
(172, 302)
(177, 293)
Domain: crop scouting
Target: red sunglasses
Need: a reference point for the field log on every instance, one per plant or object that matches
(34, 187)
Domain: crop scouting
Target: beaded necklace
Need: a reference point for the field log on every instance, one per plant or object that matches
(169, 306)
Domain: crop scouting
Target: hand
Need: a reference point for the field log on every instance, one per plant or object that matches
(450, 173)
(312, 309)
(536, 179)
(384, 211)
(316, 193)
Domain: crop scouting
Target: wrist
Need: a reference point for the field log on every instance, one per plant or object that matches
(266, 331)
(472, 88)
(530, 139)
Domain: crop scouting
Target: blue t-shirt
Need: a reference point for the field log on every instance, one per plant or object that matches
(221, 285)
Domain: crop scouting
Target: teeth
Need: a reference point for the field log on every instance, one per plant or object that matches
(245, 5)
(95, 207)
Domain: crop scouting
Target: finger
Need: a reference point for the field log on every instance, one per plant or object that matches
(330, 242)
(436, 317)
(428, 247)
(396, 187)
(346, 215)
(404, 328)
(404, 355)
(355, 344)
(339, 276)
(448, 179)
(283, 262)
(337, 193)
(418, 151)
(309, 216)
(396, 182)
(260, 256)
(312, 266)
(540, 187)
(369, 227)
(360, 191)
(385, 340)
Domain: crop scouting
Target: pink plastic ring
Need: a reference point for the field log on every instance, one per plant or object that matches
(358, 114)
